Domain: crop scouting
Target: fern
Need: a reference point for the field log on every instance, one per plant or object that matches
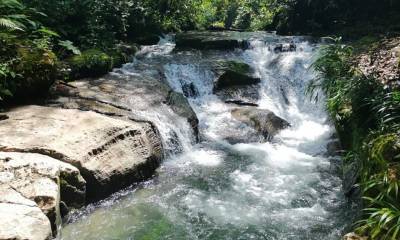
(11, 24)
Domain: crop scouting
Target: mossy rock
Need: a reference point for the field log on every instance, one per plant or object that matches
(122, 54)
(91, 63)
(239, 67)
(209, 40)
(147, 39)
(233, 73)
(36, 72)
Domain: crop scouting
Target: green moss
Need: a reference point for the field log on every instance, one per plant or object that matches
(91, 63)
(235, 66)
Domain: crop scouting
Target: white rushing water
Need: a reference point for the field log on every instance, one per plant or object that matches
(283, 189)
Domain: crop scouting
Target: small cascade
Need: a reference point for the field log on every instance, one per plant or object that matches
(286, 188)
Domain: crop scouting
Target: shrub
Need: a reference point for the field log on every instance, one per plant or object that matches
(36, 70)
(367, 116)
(91, 63)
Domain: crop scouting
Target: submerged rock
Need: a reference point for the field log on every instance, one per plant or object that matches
(285, 47)
(241, 103)
(39, 181)
(189, 90)
(263, 121)
(110, 153)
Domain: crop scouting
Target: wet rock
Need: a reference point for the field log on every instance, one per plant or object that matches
(233, 73)
(285, 47)
(147, 39)
(350, 179)
(21, 221)
(353, 236)
(124, 97)
(236, 138)
(304, 201)
(181, 106)
(241, 103)
(110, 153)
(263, 121)
(3, 117)
(189, 90)
(334, 148)
(27, 178)
(209, 40)
(240, 93)
(284, 95)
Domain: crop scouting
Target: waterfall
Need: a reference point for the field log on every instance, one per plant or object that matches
(287, 188)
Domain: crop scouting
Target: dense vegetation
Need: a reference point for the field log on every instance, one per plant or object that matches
(38, 35)
(41, 41)
(367, 116)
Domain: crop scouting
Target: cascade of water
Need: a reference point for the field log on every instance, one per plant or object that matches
(284, 189)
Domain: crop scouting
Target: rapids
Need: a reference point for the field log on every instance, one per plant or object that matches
(283, 189)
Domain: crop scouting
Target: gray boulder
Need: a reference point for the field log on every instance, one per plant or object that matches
(263, 121)
(22, 221)
(38, 182)
(124, 97)
(110, 153)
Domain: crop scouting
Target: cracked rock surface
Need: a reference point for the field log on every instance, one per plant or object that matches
(30, 194)
(110, 153)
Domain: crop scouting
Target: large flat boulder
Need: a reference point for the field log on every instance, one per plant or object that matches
(33, 187)
(129, 96)
(110, 153)
(263, 121)
(227, 40)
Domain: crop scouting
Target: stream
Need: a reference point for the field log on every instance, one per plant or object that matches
(284, 189)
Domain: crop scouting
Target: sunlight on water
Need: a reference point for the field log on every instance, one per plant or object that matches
(281, 190)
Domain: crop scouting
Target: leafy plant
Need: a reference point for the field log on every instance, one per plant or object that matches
(367, 117)
(69, 46)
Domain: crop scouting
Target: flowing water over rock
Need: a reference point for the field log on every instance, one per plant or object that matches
(282, 189)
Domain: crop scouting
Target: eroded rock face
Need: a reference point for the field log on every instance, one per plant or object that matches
(263, 121)
(38, 182)
(110, 153)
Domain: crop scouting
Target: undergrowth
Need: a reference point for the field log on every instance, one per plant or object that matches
(367, 117)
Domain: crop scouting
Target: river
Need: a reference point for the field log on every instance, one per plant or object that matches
(284, 189)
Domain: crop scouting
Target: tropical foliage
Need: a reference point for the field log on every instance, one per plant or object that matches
(367, 116)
